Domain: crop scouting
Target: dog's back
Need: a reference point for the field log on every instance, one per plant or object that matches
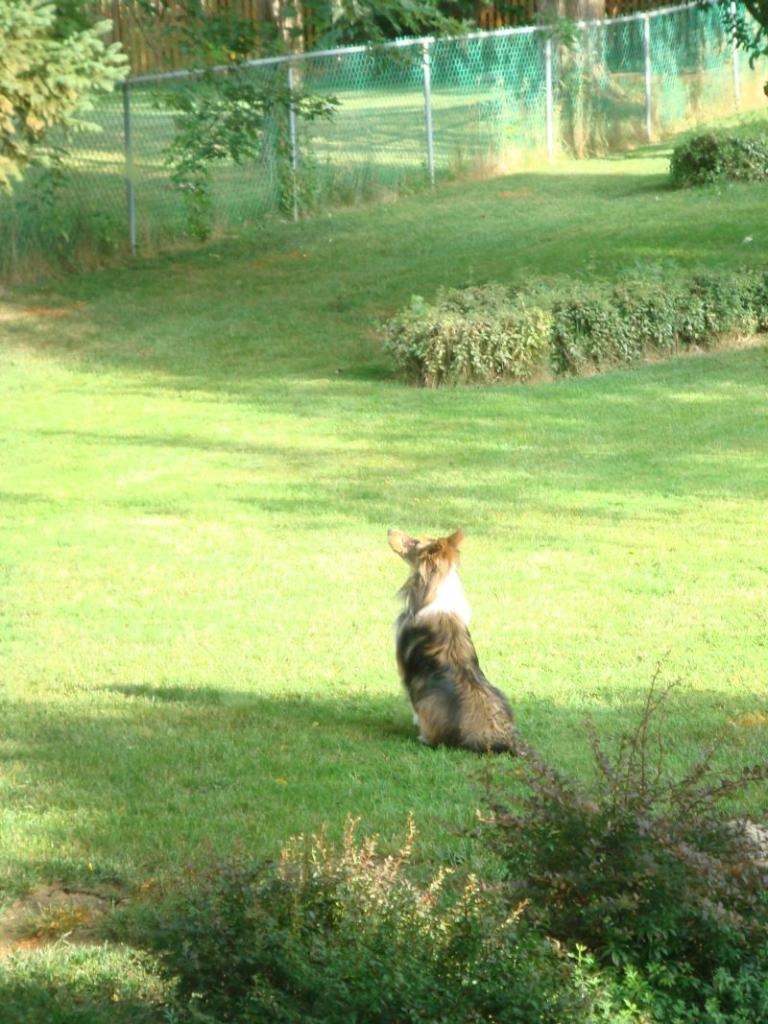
(453, 702)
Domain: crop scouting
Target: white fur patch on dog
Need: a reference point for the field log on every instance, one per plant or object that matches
(450, 599)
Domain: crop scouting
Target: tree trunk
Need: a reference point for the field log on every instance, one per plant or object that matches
(579, 70)
(291, 26)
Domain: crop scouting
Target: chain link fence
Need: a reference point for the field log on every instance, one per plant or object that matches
(410, 114)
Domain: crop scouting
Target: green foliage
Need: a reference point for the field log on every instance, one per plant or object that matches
(585, 104)
(229, 118)
(648, 873)
(589, 331)
(46, 81)
(343, 22)
(205, 36)
(475, 334)
(72, 235)
(234, 118)
(747, 23)
(345, 935)
(714, 306)
(717, 156)
(211, 37)
(755, 291)
(487, 334)
(648, 307)
(596, 326)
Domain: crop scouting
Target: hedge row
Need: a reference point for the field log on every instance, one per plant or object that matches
(491, 333)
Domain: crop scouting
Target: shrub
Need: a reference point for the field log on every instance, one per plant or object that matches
(50, 72)
(650, 313)
(486, 334)
(716, 156)
(474, 334)
(755, 288)
(588, 331)
(596, 327)
(344, 936)
(715, 306)
(647, 873)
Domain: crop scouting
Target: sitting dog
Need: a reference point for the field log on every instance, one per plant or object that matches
(453, 702)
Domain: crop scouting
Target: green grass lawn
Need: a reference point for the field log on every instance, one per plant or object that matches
(202, 454)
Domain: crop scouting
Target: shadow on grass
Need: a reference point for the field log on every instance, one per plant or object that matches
(153, 765)
(171, 694)
(285, 300)
(62, 984)
(162, 775)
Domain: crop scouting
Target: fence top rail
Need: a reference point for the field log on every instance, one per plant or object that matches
(401, 44)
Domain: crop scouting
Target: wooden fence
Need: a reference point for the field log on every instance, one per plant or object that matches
(503, 14)
(154, 42)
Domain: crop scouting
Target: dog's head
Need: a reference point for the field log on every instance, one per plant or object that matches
(432, 580)
(426, 550)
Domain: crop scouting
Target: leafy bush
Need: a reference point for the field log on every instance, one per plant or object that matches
(597, 327)
(716, 156)
(589, 331)
(232, 117)
(649, 309)
(648, 874)
(487, 334)
(473, 334)
(714, 306)
(755, 288)
(344, 936)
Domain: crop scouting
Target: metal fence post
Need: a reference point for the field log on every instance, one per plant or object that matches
(130, 188)
(294, 142)
(550, 99)
(426, 68)
(647, 60)
(736, 70)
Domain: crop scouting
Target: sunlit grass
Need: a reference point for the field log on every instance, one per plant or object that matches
(202, 456)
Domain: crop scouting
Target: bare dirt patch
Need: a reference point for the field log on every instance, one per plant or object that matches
(53, 912)
(10, 313)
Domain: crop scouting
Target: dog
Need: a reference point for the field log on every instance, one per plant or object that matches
(454, 705)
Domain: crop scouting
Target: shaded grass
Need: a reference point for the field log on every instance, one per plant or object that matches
(80, 986)
(202, 456)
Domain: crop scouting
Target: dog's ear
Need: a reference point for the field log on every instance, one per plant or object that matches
(401, 543)
(456, 539)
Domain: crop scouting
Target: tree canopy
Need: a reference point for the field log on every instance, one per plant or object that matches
(747, 22)
(49, 70)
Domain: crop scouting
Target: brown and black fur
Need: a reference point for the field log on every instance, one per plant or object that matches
(454, 704)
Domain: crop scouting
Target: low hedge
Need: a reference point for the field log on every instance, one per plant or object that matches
(469, 335)
(597, 327)
(491, 333)
(718, 156)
